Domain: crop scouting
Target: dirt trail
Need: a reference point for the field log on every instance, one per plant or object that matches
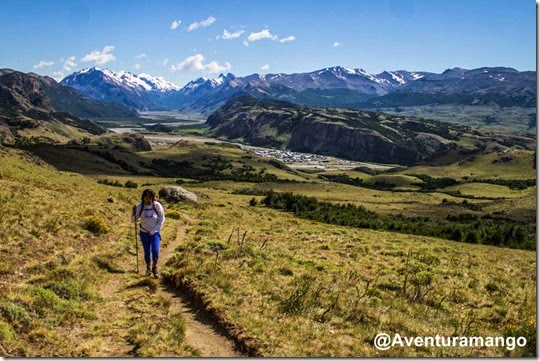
(202, 333)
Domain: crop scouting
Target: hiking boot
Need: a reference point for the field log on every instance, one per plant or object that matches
(148, 271)
(155, 272)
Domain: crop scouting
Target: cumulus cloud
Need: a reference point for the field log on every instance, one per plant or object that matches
(265, 67)
(288, 38)
(69, 63)
(195, 63)
(43, 64)
(336, 44)
(227, 35)
(100, 57)
(202, 24)
(175, 24)
(67, 66)
(264, 34)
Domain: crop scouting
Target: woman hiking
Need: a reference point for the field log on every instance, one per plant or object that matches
(150, 211)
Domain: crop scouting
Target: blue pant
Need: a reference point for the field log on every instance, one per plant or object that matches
(151, 246)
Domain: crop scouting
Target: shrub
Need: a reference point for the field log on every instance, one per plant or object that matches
(110, 183)
(253, 202)
(15, 314)
(217, 246)
(66, 289)
(44, 299)
(130, 184)
(173, 214)
(95, 225)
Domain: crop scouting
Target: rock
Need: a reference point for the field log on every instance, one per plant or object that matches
(140, 142)
(177, 195)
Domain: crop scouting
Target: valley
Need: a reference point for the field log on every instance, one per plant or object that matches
(316, 229)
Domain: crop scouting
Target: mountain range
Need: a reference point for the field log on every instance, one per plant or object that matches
(337, 87)
(484, 96)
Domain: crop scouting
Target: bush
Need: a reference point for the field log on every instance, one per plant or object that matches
(15, 314)
(130, 184)
(95, 225)
(253, 202)
(67, 289)
(110, 183)
(173, 214)
(44, 299)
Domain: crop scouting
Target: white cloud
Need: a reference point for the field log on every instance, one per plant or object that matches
(336, 44)
(263, 34)
(69, 63)
(100, 57)
(43, 64)
(67, 66)
(202, 24)
(265, 67)
(196, 63)
(288, 38)
(137, 66)
(227, 35)
(215, 68)
(175, 24)
(165, 61)
(58, 75)
(141, 56)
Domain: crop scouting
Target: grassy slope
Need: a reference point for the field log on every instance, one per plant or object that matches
(293, 286)
(52, 268)
(299, 288)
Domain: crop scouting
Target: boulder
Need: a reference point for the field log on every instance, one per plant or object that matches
(174, 194)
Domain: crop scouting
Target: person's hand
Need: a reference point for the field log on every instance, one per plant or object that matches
(151, 234)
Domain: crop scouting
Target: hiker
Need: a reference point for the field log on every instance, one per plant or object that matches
(150, 211)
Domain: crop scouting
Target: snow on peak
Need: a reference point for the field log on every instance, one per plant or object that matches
(397, 77)
(141, 81)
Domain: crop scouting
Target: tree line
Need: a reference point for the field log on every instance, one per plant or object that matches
(485, 230)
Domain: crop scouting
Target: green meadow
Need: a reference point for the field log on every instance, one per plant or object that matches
(280, 283)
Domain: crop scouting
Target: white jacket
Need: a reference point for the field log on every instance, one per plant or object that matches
(151, 220)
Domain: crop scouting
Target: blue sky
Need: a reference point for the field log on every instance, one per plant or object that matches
(182, 40)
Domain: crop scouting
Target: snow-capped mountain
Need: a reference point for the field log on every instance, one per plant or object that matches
(203, 85)
(141, 92)
(142, 81)
(331, 87)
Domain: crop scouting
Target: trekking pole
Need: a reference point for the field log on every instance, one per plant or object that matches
(136, 247)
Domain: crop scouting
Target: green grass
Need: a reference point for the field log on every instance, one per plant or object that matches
(294, 287)
(300, 288)
(485, 166)
(53, 268)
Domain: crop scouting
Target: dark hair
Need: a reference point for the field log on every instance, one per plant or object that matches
(148, 192)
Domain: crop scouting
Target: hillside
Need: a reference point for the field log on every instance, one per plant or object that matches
(27, 113)
(280, 284)
(355, 135)
(66, 99)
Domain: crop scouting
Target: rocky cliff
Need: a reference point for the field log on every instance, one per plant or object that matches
(356, 135)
